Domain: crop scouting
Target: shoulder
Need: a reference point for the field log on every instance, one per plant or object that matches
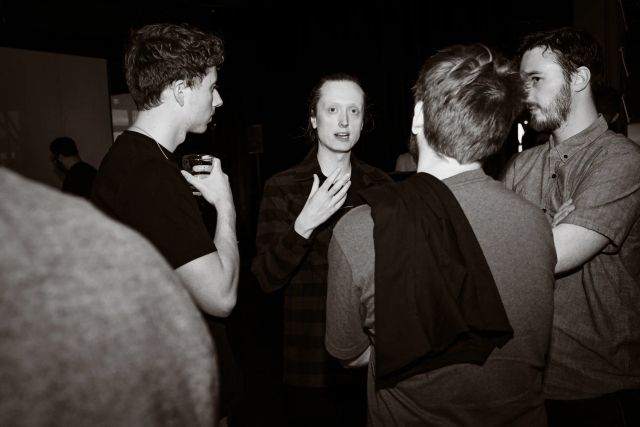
(369, 172)
(618, 145)
(283, 177)
(357, 222)
(529, 155)
(503, 206)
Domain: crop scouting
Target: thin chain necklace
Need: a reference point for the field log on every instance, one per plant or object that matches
(154, 140)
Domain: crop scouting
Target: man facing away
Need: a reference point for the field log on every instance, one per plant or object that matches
(171, 73)
(395, 257)
(595, 345)
(78, 175)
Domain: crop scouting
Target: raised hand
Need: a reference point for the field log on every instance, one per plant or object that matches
(324, 200)
(215, 187)
(563, 211)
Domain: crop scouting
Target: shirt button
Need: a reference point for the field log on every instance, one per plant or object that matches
(544, 210)
(553, 176)
(306, 245)
(565, 156)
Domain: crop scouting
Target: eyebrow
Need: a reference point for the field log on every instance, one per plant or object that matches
(531, 73)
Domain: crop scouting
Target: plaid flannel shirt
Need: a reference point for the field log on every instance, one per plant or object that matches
(287, 260)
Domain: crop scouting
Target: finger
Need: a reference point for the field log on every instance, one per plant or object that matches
(315, 185)
(331, 179)
(338, 185)
(187, 176)
(565, 204)
(343, 192)
(216, 163)
(565, 210)
(561, 215)
(340, 202)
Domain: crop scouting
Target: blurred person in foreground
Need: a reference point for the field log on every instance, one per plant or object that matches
(298, 212)
(78, 175)
(95, 327)
(593, 369)
(443, 282)
(172, 74)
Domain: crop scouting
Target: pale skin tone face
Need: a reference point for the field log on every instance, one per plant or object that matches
(338, 120)
(548, 92)
(202, 100)
(339, 116)
(544, 81)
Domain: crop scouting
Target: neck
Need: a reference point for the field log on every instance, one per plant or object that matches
(442, 167)
(330, 160)
(583, 114)
(159, 126)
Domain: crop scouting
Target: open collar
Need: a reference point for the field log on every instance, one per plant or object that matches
(368, 175)
(572, 146)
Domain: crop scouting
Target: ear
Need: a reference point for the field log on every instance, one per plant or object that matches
(178, 89)
(314, 124)
(581, 79)
(418, 118)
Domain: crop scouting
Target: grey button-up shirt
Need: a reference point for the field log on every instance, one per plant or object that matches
(595, 342)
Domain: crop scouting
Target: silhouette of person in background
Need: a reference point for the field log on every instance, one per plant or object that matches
(79, 175)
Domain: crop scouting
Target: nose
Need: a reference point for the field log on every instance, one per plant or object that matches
(344, 119)
(217, 100)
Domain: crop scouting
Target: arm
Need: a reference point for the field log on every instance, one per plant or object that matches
(607, 204)
(358, 361)
(345, 337)
(576, 245)
(212, 279)
(283, 244)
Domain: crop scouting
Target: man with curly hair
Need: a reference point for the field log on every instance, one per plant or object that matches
(586, 181)
(172, 72)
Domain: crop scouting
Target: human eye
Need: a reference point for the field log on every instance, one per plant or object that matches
(332, 109)
(535, 80)
(354, 110)
(213, 88)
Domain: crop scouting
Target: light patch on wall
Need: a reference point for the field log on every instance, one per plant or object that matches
(120, 117)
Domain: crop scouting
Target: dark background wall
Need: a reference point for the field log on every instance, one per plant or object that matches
(277, 51)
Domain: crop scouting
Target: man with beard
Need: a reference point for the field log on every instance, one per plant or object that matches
(78, 175)
(590, 173)
(441, 268)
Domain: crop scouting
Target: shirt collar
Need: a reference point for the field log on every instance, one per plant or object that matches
(571, 146)
(466, 177)
(309, 166)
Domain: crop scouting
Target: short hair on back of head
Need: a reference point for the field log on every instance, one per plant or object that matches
(63, 146)
(161, 54)
(572, 49)
(471, 96)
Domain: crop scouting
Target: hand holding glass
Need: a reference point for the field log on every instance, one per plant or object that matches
(198, 165)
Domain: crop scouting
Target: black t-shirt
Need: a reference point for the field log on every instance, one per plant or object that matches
(79, 180)
(138, 186)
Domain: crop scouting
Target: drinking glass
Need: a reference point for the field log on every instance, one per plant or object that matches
(198, 165)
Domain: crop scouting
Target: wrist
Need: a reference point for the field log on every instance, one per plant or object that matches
(301, 229)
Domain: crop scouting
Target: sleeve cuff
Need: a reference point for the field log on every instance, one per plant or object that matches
(295, 242)
(590, 225)
(346, 354)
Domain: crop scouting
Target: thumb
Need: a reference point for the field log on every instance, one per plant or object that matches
(316, 184)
